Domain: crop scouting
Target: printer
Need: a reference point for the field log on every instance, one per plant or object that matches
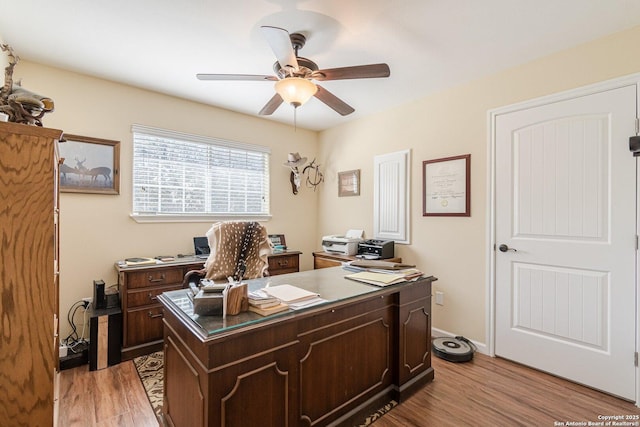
(376, 249)
(346, 244)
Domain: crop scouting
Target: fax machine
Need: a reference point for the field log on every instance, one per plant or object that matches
(376, 249)
(345, 245)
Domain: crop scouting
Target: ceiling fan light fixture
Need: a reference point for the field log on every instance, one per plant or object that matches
(295, 90)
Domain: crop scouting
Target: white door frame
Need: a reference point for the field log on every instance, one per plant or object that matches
(491, 202)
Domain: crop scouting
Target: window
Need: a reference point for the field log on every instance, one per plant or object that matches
(182, 177)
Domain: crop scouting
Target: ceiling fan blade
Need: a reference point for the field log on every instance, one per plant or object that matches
(246, 77)
(355, 72)
(333, 101)
(271, 106)
(280, 43)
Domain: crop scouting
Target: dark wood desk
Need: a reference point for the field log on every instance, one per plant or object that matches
(140, 286)
(325, 365)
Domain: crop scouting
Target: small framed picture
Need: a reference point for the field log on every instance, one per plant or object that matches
(89, 165)
(349, 183)
(278, 240)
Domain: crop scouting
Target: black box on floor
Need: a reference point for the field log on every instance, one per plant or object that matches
(105, 328)
(79, 358)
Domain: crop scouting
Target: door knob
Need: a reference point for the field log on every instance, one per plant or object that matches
(505, 248)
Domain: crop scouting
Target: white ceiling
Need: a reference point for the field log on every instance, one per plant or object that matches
(429, 44)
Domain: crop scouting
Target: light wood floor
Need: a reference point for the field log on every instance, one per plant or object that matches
(485, 392)
(109, 397)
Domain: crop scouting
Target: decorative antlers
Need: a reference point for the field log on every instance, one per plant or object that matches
(8, 72)
(21, 105)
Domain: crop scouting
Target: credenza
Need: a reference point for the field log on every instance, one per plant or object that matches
(140, 286)
(323, 365)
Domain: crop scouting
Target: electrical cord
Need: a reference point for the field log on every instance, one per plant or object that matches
(73, 340)
(84, 320)
(72, 311)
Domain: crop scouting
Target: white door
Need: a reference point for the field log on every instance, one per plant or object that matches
(565, 209)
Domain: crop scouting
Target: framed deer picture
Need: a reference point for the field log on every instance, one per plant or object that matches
(89, 165)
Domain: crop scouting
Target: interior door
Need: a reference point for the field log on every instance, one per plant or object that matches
(565, 224)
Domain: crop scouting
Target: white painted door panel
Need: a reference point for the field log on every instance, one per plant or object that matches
(565, 200)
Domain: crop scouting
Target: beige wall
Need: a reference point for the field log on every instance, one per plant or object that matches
(451, 123)
(96, 230)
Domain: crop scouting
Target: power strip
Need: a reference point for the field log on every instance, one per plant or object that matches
(80, 357)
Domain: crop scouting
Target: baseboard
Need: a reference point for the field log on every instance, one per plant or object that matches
(480, 347)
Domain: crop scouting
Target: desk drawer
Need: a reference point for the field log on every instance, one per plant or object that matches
(142, 279)
(283, 263)
(147, 296)
(144, 325)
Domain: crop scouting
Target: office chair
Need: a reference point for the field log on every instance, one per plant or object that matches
(238, 250)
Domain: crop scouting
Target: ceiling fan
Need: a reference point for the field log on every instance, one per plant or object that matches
(294, 74)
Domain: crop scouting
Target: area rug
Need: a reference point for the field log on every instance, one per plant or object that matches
(149, 369)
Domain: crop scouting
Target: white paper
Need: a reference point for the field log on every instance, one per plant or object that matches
(354, 234)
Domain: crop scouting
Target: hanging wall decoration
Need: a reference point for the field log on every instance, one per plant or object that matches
(294, 162)
(90, 165)
(349, 183)
(313, 175)
(446, 186)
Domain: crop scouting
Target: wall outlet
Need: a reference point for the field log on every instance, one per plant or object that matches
(439, 298)
(87, 301)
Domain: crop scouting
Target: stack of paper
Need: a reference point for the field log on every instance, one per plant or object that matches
(381, 273)
(407, 273)
(289, 294)
(379, 264)
(378, 279)
(139, 261)
(293, 296)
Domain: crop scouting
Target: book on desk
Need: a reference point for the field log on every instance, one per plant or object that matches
(275, 299)
(279, 307)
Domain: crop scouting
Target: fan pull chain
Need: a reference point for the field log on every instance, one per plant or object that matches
(295, 119)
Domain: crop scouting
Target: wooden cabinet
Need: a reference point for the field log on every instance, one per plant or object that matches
(139, 289)
(328, 259)
(29, 274)
(141, 312)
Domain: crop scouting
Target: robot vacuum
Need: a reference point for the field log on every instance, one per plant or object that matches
(458, 349)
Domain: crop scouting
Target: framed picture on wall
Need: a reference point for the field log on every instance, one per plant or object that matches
(349, 183)
(90, 165)
(446, 186)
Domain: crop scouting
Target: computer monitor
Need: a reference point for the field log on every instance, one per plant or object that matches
(201, 247)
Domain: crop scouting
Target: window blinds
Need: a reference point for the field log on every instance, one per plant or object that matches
(181, 174)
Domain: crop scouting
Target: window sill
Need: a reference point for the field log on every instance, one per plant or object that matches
(156, 218)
